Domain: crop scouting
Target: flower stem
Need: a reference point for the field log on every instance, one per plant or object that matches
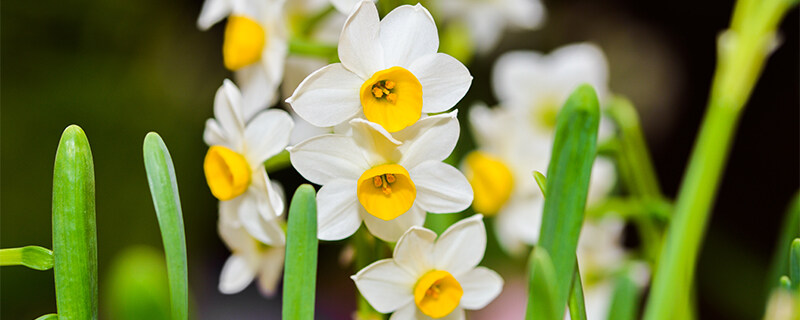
(306, 47)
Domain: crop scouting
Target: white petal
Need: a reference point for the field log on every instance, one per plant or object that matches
(271, 268)
(407, 33)
(603, 176)
(228, 113)
(431, 138)
(517, 75)
(385, 285)
(328, 96)
(344, 6)
(337, 210)
(276, 196)
(359, 43)
(236, 275)
(481, 285)
(213, 135)
(414, 249)
(407, 312)
(525, 218)
(269, 203)
(444, 80)
(440, 187)
(486, 27)
(327, 157)
(527, 14)
(213, 11)
(258, 90)
(580, 63)
(460, 248)
(266, 135)
(377, 144)
(391, 230)
(304, 130)
(267, 231)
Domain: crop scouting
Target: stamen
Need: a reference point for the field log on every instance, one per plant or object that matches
(377, 181)
(392, 98)
(390, 178)
(387, 190)
(377, 92)
(389, 84)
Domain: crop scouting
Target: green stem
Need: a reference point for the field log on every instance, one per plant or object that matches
(311, 48)
(278, 162)
(308, 25)
(300, 271)
(33, 257)
(642, 178)
(367, 250)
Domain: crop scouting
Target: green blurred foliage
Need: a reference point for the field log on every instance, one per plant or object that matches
(137, 286)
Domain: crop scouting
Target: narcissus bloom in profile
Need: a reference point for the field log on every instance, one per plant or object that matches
(234, 164)
(251, 258)
(255, 46)
(387, 180)
(431, 278)
(390, 74)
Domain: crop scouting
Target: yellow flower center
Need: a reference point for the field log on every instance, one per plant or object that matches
(437, 293)
(392, 98)
(386, 191)
(491, 180)
(227, 172)
(244, 41)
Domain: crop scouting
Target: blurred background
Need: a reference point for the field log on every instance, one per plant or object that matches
(122, 68)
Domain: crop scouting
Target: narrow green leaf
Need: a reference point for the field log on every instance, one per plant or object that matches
(74, 230)
(34, 257)
(51, 316)
(541, 287)
(794, 268)
(625, 300)
(164, 189)
(790, 229)
(137, 286)
(567, 186)
(300, 271)
(576, 303)
(277, 162)
(541, 181)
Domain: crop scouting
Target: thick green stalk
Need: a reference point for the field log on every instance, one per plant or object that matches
(642, 178)
(300, 271)
(164, 190)
(74, 230)
(567, 186)
(625, 300)
(33, 257)
(742, 53)
(542, 290)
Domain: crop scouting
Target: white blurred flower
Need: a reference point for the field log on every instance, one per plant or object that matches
(234, 166)
(431, 278)
(487, 19)
(388, 181)
(255, 46)
(390, 73)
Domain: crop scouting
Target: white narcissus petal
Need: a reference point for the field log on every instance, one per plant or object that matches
(481, 285)
(270, 201)
(580, 63)
(485, 28)
(338, 210)
(228, 113)
(516, 76)
(236, 275)
(602, 179)
(393, 229)
(344, 6)
(460, 248)
(377, 144)
(431, 138)
(440, 187)
(406, 312)
(304, 130)
(528, 14)
(213, 135)
(328, 96)
(359, 43)
(267, 135)
(444, 80)
(270, 273)
(414, 249)
(385, 285)
(407, 33)
(324, 158)
(267, 231)
(258, 90)
(213, 11)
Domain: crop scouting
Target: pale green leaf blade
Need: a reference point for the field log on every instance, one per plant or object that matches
(300, 272)
(541, 287)
(34, 257)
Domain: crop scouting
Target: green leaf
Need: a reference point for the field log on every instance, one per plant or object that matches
(541, 287)
(541, 181)
(794, 262)
(137, 286)
(300, 271)
(278, 162)
(51, 316)
(576, 303)
(33, 257)
(625, 299)
(790, 229)
(74, 230)
(785, 283)
(567, 186)
(164, 189)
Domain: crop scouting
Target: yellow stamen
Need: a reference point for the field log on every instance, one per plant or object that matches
(491, 180)
(437, 293)
(386, 191)
(399, 103)
(227, 173)
(244, 42)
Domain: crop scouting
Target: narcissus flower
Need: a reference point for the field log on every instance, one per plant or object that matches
(234, 167)
(390, 73)
(487, 19)
(255, 46)
(251, 258)
(388, 181)
(431, 278)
